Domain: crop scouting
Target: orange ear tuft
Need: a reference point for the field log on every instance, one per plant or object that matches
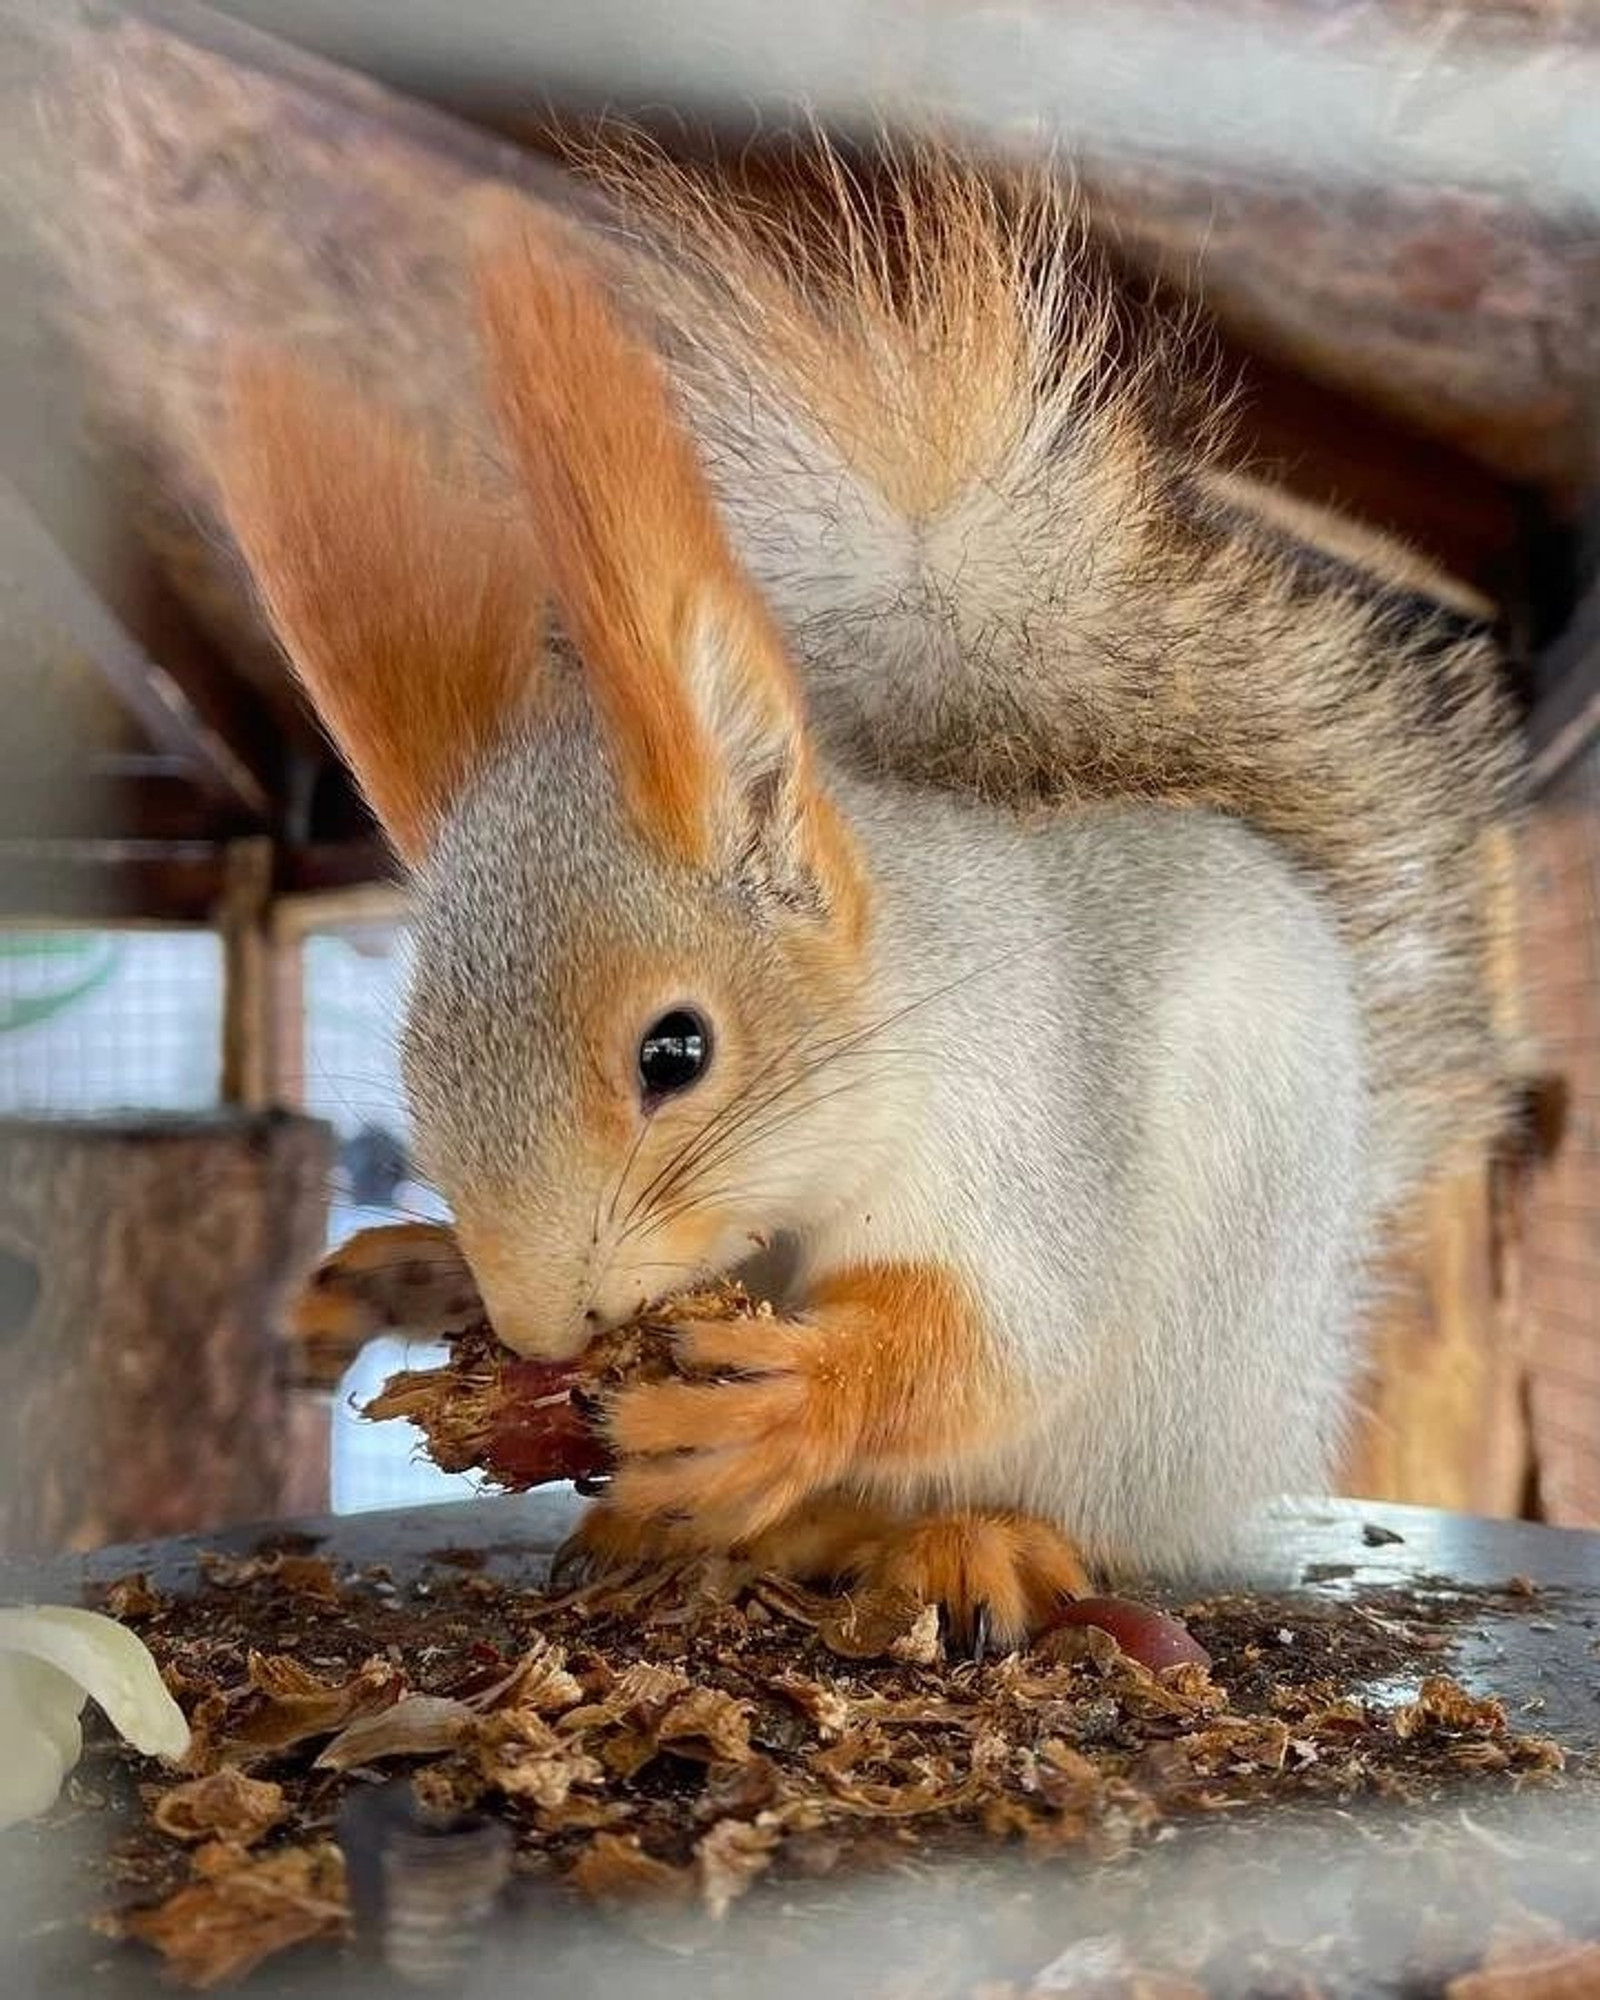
(408, 607)
(636, 558)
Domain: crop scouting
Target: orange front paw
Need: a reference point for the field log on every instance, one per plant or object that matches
(998, 1577)
(711, 1463)
(407, 1277)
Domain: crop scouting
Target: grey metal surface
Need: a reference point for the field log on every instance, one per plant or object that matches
(1540, 1653)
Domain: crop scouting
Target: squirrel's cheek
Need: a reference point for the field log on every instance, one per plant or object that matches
(670, 1253)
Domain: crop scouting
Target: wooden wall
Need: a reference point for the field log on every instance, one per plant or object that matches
(1559, 1212)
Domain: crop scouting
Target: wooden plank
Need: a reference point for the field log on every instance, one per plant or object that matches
(1559, 1209)
(133, 881)
(250, 40)
(1441, 1420)
(108, 882)
(164, 809)
(41, 582)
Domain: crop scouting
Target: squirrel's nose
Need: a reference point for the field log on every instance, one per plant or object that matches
(534, 1334)
(523, 1318)
(534, 1302)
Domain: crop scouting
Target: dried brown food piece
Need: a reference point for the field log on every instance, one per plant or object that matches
(131, 1598)
(289, 1704)
(523, 1423)
(622, 1738)
(216, 1930)
(728, 1860)
(226, 1806)
(417, 1725)
(614, 1868)
(1443, 1706)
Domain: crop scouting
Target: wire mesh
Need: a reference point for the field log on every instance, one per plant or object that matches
(96, 1022)
(354, 984)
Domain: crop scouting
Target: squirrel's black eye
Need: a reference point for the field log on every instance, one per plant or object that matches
(674, 1053)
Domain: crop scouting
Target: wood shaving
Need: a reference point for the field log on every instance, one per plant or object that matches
(680, 1747)
(218, 1929)
(289, 1705)
(226, 1805)
(417, 1725)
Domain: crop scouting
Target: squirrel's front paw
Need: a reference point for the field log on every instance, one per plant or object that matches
(998, 1578)
(404, 1277)
(765, 1420)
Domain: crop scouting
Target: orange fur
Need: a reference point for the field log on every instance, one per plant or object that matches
(1000, 1573)
(409, 608)
(636, 557)
(1007, 1571)
(887, 1371)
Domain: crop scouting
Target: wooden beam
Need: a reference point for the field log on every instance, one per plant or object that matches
(41, 582)
(144, 881)
(138, 764)
(104, 881)
(251, 39)
(1395, 199)
(166, 810)
(295, 916)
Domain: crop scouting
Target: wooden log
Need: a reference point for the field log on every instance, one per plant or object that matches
(193, 186)
(218, 186)
(144, 1271)
(247, 984)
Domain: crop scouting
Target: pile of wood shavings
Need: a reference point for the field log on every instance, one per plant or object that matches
(675, 1748)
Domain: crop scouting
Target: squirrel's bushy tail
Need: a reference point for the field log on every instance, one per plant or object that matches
(995, 519)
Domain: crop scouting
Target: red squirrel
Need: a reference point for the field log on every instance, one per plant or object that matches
(888, 793)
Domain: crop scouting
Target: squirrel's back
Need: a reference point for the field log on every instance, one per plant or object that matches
(995, 520)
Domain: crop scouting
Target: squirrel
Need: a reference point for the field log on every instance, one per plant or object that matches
(889, 810)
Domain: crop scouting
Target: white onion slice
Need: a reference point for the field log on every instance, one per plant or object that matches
(53, 1658)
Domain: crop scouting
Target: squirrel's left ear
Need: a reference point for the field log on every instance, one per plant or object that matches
(699, 704)
(410, 609)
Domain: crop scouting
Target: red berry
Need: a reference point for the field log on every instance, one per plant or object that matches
(1149, 1636)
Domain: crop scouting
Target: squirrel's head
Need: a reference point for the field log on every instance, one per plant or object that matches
(641, 923)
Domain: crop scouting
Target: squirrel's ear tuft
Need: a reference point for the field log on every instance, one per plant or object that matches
(689, 676)
(409, 608)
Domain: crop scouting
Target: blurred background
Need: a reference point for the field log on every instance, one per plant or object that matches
(1388, 211)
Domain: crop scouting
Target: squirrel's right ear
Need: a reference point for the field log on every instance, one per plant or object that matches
(408, 606)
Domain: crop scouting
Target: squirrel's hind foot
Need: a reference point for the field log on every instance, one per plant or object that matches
(998, 1578)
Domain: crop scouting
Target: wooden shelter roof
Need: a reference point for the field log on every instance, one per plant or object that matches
(1417, 328)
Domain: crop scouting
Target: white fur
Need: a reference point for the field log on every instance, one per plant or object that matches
(1133, 1118)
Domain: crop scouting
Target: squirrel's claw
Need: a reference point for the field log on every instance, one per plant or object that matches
(997, 1578)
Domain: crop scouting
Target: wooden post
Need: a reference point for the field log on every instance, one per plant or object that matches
(141, 1363)
(247, 1032)
(1444, 1420)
